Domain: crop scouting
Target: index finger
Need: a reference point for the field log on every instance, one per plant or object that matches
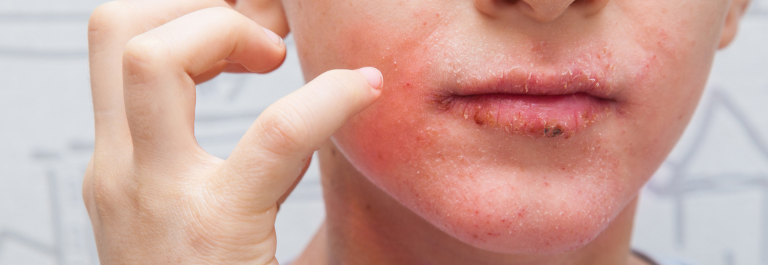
(272, 153)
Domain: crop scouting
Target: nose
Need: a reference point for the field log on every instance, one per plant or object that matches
(540, 10)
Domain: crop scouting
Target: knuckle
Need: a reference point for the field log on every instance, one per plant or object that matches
(101, 193)
(118, 193)
(114, 187)
(102, 185)
(145, 53)
(87, 187)
(105, 18)
(97, 189)
(284, 133)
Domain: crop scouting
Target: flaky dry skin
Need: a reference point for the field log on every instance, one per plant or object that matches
(495, 177)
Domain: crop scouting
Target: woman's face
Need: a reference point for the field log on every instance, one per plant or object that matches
(515, 126)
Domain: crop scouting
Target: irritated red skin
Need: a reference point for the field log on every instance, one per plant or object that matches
(483, 185)
(491, 188)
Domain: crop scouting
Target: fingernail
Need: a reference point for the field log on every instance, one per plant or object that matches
(373, 75)
(273, 36)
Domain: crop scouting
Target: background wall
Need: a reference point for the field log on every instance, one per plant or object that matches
(708, 204)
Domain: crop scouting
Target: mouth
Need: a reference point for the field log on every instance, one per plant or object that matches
(534, 103)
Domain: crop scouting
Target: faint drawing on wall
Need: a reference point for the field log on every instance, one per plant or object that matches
(678, 179)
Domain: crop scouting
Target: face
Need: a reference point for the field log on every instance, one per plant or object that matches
(514, 126)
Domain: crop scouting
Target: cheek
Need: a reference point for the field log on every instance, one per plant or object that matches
(680, 42)
(385, 42)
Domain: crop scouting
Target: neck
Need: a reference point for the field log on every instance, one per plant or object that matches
(364, 225)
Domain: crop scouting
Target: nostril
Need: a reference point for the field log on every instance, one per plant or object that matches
(508, 1)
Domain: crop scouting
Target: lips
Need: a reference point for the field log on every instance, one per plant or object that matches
(537, 103)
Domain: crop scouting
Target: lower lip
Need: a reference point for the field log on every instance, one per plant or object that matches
(537, 116)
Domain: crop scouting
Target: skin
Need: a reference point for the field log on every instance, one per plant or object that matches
(408, 176)
(532, 198)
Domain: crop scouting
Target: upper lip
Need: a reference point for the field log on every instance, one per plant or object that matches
(590, 80)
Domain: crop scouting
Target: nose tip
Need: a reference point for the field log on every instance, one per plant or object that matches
(539, 10)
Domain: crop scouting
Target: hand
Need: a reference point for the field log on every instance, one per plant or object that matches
(153, 195)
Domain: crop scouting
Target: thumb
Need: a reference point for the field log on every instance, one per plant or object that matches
(273, 152)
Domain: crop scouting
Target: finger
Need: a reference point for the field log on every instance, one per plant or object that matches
(110, 27)
(158, 67)
(271, 155)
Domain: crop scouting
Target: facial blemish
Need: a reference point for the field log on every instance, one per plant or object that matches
(556, 132)
(479, 120)
(553, 131)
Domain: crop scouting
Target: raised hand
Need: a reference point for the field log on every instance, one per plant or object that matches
(153, 195)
